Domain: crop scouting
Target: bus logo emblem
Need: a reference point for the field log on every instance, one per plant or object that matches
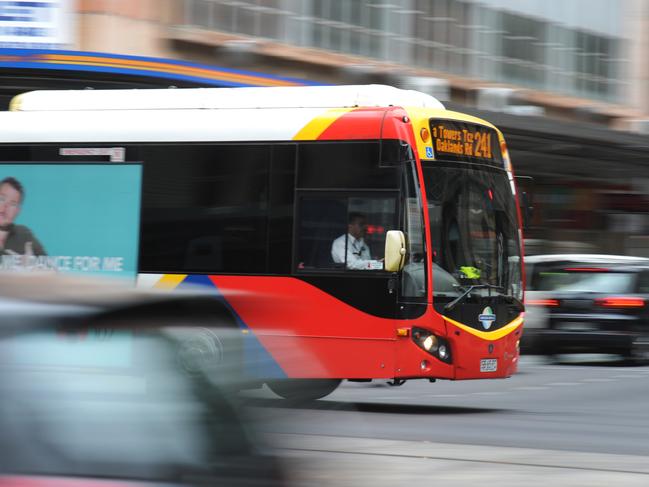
(487, 318)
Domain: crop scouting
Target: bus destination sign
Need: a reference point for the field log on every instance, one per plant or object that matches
(463, 141)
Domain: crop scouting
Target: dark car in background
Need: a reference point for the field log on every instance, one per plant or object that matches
(583, 303)
(100, 384)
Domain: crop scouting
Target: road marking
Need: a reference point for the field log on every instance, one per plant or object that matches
(531, 388)
(598, 379)
(494, 455)
(395, 398)
(563, 384)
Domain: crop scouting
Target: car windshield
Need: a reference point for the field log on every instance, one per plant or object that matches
(474, 229)
(602, 282)
(104, 404)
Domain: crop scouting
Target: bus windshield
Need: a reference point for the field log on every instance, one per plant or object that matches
(474, 230)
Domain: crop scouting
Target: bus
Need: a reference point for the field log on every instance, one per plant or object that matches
(354, 232)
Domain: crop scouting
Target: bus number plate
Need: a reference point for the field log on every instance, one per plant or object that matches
(488, 364)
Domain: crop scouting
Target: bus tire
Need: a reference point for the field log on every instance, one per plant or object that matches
(303, 389)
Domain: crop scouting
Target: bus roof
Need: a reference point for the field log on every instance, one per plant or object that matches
(182, 125)
(223, 98)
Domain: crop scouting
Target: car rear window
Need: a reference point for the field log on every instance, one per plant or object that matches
(600, 281)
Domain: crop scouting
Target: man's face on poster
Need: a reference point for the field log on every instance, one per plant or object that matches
(9, 204)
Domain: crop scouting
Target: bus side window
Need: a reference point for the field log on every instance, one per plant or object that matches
(324, 222)
(321, 220)
(205, 208)
(203, 253)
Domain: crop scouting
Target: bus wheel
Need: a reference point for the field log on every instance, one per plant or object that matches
(303, 389)
(200, 350)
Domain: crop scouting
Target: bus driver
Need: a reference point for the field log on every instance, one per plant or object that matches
(357, 251)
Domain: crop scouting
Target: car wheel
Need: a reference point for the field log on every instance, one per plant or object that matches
(303, 389)
(639, 351)
(552, 358)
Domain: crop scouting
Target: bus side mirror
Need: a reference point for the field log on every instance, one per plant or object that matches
(395, 250)
(525, 187)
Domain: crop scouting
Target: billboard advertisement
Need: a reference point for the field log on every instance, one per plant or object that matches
(73, 218)
(35, 24)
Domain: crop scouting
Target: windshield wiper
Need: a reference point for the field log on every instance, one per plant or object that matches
(514, 300)
(450, 306)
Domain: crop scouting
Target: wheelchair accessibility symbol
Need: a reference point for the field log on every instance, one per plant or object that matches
(429, 153)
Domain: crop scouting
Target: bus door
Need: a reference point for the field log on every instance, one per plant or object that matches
(340, 239)
(346, 200)
(413, 295)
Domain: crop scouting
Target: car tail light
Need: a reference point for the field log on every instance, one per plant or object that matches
(542, 302)
(620, 302)
(375, 229)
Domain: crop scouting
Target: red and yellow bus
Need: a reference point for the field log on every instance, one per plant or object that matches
(354, 232)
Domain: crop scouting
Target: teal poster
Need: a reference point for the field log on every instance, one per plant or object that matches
(72, 218)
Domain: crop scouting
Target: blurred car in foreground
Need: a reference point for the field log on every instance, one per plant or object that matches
(587, 303)
(109, 384)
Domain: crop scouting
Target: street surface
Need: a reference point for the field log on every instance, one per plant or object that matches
(583, 421)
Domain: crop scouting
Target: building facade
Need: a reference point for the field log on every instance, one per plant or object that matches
(575, 55)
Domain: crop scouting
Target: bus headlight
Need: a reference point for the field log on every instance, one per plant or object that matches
(431, 343)
(443, 353)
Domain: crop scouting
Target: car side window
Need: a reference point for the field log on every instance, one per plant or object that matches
(529, 272)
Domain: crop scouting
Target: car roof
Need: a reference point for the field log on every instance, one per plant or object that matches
(34, 300)
(586, 258)
(607, 263)
(51, 287)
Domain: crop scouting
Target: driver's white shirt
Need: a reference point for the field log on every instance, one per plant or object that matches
(358, 253)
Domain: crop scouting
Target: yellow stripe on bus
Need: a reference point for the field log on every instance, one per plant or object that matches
(489, 335)
(315, 128)
(169, 281)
